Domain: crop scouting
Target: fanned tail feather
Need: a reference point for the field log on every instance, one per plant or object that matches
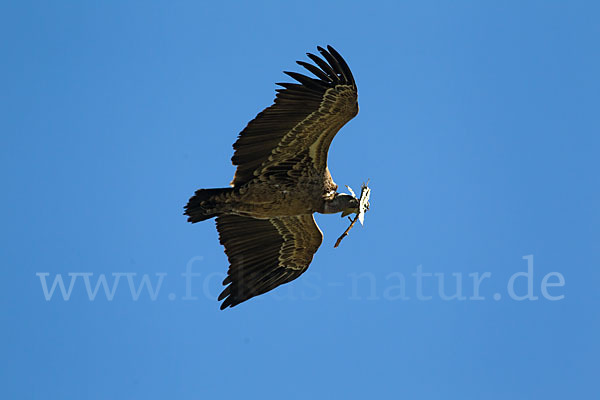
(205, 204)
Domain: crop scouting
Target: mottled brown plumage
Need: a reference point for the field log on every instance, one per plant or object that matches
(265, 218)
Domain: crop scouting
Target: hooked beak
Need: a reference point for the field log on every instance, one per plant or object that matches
(353, 209)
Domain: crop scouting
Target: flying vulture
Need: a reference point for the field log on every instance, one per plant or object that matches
(265, 218)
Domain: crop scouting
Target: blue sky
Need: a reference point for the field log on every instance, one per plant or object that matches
(478, 129)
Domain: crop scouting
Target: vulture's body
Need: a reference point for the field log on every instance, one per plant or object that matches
(265, 218)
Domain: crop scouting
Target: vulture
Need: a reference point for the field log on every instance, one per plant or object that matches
(265, 218)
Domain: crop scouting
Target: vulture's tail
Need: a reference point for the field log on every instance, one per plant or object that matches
(206, 203)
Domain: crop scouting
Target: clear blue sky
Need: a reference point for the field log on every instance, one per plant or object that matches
(478, 128)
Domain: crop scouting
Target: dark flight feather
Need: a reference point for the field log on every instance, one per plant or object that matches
(265, 253)
(293, 105)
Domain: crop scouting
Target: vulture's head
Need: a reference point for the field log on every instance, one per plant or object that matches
(342, 202)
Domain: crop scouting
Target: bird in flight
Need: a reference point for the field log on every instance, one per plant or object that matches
(265, 218)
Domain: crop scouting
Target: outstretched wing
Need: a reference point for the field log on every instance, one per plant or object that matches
(265, 253)
(299, 127)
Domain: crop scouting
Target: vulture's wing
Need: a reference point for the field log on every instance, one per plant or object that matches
(265, 253)
(299, 127)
